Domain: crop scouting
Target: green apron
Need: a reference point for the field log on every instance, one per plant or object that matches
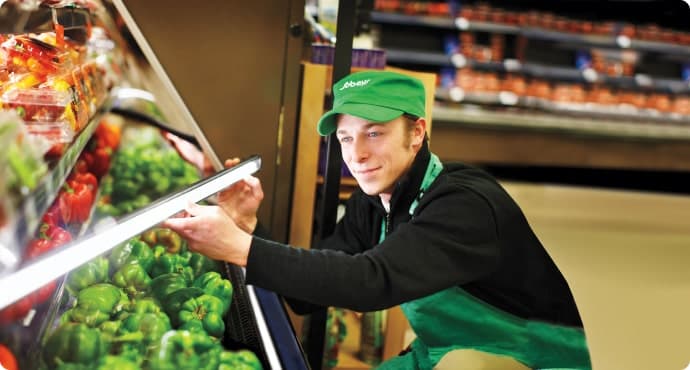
(453, 319)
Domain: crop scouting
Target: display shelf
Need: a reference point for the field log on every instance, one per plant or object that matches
(594, 111)
(109, 234)
(16, 233)
(537, 70)
(462, 24)
(478, 117)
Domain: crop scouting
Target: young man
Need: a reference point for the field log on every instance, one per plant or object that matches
(443, 240)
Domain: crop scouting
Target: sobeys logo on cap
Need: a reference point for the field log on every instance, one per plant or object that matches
(350, 84)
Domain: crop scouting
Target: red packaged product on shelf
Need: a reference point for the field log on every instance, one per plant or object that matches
(43, 111)
(659, 102)
(30, 54)
(37, 105)
(539, 89)
(630, 98)
(681, 105)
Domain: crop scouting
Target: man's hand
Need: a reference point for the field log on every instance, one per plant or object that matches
(211, 232)
(190, 153)
(241, 201)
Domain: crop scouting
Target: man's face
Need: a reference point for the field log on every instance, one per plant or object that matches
(378, 154)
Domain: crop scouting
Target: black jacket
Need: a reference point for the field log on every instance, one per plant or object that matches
(465, 231)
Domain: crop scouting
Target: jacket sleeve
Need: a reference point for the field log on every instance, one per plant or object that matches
(451, 240)
(347, 238)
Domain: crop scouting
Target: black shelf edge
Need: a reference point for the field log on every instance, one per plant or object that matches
(413, 20)
(462, 24)
(418, 57)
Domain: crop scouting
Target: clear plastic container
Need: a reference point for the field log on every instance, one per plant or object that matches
(31, 54)
(44, 112)
(37, 105)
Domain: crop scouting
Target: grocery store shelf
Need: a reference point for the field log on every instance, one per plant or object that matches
(612, 41)
(577, 125)
(108, 234)
(586, 110)
(413, 20)
(537, 70)
(441, 22)
(418, 57)
(22, 226)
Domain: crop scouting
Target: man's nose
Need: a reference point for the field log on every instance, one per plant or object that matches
(360, 150)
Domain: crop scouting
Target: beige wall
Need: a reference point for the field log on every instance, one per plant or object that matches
(626, 257)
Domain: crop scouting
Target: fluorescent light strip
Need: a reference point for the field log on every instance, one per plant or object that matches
(29, 278)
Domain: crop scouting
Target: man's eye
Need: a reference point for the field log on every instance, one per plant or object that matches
(345, 139)
(374, 134)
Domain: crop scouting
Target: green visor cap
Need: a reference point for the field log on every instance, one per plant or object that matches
(376, 96)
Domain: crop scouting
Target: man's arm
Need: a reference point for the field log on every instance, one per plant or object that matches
(438, 249)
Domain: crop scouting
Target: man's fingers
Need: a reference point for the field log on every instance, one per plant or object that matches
(194, 209)
(231, 162)
(174, 223)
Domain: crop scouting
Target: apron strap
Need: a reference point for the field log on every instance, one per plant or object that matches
(433, 169)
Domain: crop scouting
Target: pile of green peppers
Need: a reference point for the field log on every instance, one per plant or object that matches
(142, 172)
(150, 304)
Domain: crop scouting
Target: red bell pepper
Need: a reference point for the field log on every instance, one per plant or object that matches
(44, 293)
(81, 165)
(101, 161)
(7, 359)
(37, 247)
(50, 236)
(75, 202)
(58, 235)
(86, 178)
(16, 310)
(52, 215)
(107, 135)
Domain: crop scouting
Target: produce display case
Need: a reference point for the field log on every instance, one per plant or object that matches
(94, 193)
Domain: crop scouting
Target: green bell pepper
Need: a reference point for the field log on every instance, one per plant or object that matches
(162, 285)
(124, 189)
(173, 302)
(110, 329)
(144, 305)
(239, 360)
(85, 315)
(132, 250)
(92, 272)
(168, 263)
(103, 297)
(74, 343)
(181, 349)
(96, 305)
(201, 264)
(133, 279)
(116, 362)
(214, 284)
(152, 325)
(208, 310)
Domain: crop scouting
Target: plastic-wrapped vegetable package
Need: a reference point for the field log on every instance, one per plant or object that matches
(21, 160)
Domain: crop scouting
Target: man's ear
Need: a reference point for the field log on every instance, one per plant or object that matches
(418, 133)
